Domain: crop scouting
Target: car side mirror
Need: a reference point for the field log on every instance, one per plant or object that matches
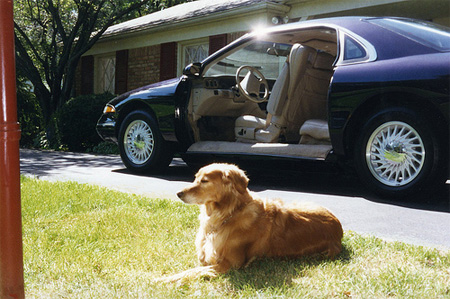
(192, 69)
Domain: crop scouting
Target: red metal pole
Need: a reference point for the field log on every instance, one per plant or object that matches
(11, 255)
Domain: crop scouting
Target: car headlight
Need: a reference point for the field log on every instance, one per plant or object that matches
(109, 109)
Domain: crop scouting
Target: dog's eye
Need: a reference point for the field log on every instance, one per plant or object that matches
(204, 181)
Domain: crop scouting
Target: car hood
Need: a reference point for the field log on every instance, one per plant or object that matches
(165, 88)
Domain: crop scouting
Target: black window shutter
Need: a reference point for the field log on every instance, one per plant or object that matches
(168, 63)
(121, 84)
(87, 74)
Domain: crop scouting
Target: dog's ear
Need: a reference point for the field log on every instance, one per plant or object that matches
(238, 178)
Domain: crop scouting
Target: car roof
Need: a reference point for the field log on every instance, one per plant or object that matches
(350, 22)
(381, 38)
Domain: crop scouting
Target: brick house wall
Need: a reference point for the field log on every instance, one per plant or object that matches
(143, 66)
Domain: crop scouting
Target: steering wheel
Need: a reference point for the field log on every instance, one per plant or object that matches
(250, 86)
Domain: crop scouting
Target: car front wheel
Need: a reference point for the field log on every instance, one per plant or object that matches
(399, 153)
(142, 148)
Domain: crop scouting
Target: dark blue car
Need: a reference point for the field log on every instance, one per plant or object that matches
(372, 93)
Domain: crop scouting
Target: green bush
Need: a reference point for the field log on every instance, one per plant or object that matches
(105, 148)
(77, 120)
(51, 137)
(29, 115)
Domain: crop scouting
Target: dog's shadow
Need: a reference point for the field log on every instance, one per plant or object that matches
(278, 273)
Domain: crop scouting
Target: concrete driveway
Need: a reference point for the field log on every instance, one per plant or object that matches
(425, 222)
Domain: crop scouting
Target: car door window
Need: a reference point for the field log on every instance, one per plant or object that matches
(258, 54)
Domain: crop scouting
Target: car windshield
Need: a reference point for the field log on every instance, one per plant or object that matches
(426, 33)
(268, 57)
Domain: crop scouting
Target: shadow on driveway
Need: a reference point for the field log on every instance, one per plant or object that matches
(325, 179)
(42, 163)
(340, 183)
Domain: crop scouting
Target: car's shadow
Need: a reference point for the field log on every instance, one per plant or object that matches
(177, 171)
(316, 178)
(326, 179)
(340, 183)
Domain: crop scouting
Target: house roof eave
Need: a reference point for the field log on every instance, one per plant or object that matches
(269, 7)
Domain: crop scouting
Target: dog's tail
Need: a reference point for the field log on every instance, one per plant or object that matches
(206, 271)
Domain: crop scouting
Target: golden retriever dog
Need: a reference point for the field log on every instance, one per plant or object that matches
(237, 227)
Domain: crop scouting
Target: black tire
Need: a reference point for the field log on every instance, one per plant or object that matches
(142, 147)
(400, 153)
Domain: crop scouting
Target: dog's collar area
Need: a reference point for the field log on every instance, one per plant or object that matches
(214, 230)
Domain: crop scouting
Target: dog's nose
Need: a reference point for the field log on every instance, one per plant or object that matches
(180, 194)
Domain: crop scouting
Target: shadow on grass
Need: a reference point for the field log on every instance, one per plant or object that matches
(273, 273)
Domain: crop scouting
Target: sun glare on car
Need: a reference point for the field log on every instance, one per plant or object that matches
(260, 31)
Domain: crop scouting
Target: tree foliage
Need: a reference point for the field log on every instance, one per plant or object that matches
(52, 35)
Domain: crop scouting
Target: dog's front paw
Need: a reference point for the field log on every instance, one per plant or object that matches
(190, 274)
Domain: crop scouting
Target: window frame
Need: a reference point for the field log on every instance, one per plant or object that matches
(371, 53)
(181, 52)
(99, 74)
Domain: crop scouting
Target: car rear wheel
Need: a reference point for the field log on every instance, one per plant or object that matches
(399, 153)
(142, 148)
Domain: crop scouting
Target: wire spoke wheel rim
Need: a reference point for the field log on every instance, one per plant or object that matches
(138, 142)
(395, 154)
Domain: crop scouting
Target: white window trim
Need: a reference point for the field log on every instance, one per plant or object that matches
(180, 55)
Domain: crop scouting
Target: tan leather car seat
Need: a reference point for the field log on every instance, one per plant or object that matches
(298, 97)
(308, 97)
(250, 128)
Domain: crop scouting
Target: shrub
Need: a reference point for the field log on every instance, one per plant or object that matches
(77, 120)
(29, 115)
(51, 137)
(105, 148)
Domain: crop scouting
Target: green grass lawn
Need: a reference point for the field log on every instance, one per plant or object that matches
(83, 241)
